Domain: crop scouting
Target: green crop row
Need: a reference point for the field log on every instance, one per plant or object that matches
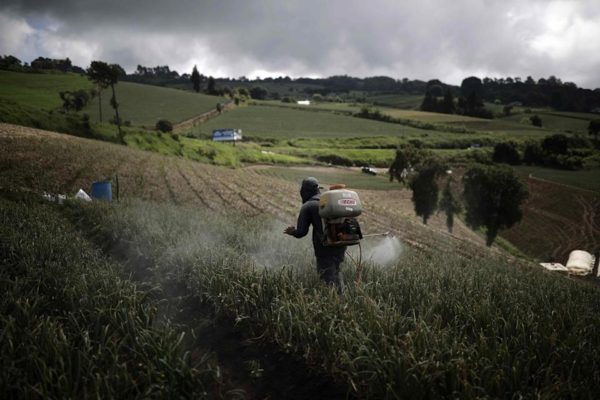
(72, 327)
(430, 326)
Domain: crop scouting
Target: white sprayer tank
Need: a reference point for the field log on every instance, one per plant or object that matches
(339, 203)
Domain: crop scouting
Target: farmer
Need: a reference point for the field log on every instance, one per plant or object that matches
(328, 258)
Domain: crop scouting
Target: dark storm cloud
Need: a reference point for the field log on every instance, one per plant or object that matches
(417, 39)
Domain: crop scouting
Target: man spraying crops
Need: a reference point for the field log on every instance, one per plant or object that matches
(328, 258)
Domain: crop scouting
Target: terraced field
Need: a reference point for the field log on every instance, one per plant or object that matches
(556, 220)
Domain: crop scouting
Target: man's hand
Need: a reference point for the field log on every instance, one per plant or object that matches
(290, 230)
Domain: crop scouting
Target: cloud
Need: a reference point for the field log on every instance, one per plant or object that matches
(422, 39)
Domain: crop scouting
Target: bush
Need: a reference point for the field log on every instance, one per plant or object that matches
(335, 159)
(535, 120)
(175, 136)
(164, 126)
(506, 153)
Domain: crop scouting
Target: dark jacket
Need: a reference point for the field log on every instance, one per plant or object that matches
(309, 215)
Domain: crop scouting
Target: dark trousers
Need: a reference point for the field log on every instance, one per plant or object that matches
(328, 268)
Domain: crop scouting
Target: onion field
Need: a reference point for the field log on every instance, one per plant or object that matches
(125, 299)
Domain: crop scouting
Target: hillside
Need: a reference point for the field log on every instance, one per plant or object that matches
(145, 104)
(212, 298)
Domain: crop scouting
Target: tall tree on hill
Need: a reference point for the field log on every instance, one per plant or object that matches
(449, 204)
(211, 86)
(594, 128)
(429, 102)
(407, 156)
(105, 75)
(425, 188)
(448, 106)
(493, 197)
(196, 79)
(471, 85)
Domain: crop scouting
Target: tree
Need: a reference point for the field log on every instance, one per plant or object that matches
(429, 102)
(105, 75)
(425, 188)
(448, 106)
(211, 86)
(260, 93)
(449, 204)
(556, 144)
(407, 156)
(196, 79)
(164, 125)
(471, 85)
(506, 153)
(75, 100)
(533, 154)
(493, 196)
(535, 120)
(594, 128)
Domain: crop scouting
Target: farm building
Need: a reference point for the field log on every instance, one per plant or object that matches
(303, 102)
(227, 135)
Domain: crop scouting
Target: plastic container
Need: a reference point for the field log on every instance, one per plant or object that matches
(339, 203)
(102, 190)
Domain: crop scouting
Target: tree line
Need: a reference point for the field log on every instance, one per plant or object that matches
(491, 196)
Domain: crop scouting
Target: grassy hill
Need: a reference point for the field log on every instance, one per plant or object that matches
(143, 105)
(39, 90)
(152, 279)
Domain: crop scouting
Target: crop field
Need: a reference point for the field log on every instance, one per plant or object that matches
(558, 122)
(146, 104)
(447, 318)
(583, 179)
(39, 90)
(410, 102)
(556, 220)
(288, 123)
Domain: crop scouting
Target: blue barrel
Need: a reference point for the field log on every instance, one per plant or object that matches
(102, 190)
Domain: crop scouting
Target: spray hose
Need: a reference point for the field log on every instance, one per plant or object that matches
(358, 263)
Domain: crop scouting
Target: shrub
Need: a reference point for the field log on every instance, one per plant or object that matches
(335, 159)
(506, 153)
(164, 126)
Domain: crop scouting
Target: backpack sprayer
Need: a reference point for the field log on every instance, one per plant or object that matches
(339, 208)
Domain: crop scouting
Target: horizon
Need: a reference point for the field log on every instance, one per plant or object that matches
(421, 40)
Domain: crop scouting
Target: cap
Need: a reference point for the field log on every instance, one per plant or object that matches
(310, 183)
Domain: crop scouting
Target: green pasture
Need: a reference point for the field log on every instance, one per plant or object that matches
(287, 123)
(557, 122)
(344, 108)
(146, 104)
(352, 178)
(39, 90)
(406, 101)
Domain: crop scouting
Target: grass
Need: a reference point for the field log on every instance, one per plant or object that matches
(287, 123)
(561, 122)
(144, 105)
(430, 326)
(412, 102)
(39, 90)
(74, 326)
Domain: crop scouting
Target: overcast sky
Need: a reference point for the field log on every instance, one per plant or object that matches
(422, 39)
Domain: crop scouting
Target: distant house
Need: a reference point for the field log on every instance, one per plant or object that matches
(303, 102)
(227, 135)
